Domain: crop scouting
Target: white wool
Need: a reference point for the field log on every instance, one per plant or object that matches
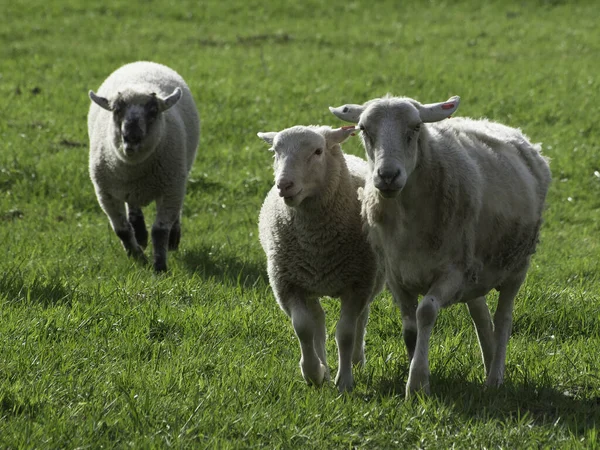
(455, 209)
(311, 231)
(158, 168)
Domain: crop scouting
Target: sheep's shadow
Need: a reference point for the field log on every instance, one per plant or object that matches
(45, 291)
(538, 404)
(225, 268)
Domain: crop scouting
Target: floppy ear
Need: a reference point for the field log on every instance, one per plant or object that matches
(334, 136)
(349, 113)
(171, 100)
(268, 137)
(100, 101)
(434, 112)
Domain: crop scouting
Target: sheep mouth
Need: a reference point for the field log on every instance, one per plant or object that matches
(291, 200)
(131, 149)
(389, 193)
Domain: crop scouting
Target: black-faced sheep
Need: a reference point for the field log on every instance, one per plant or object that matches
(144, 130)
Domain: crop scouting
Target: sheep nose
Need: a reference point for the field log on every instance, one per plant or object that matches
(388, 175)
(284, 185)
(132, 133)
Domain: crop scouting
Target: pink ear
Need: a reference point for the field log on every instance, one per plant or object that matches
(448, 105)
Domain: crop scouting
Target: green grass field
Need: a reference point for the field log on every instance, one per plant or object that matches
(98, 352)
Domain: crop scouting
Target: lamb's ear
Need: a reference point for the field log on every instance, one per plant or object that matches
(171, 100)
(100, 101)
(349, 113)
(434, 112)
(267, 137)
(335, 136)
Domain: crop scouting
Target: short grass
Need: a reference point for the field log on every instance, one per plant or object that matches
(98, 352)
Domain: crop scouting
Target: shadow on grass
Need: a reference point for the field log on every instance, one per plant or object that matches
(45, 291)
(225, 268)
(525, 403)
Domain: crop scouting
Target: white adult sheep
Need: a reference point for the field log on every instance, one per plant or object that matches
(455, 207)
(144, 130)
(311, 231)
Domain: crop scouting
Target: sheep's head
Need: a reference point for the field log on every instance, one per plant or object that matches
(134, 115)
(301, 159)
(390, 130)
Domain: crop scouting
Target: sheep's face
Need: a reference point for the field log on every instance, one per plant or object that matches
(390, 129)
(301, 162)
(389, 132)
(135, 117)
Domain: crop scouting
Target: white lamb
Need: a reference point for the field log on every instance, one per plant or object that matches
(455, 207)
(311, 231)
(144, 130)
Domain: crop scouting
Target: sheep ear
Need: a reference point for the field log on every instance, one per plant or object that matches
(171, 100)
(100, 101)
(268, 137)
(338, 135)
(349, 113)
(434, 112)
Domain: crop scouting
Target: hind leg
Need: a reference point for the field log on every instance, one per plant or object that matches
(175, 235)
(502, 328)
(135, 216)
(482, 320)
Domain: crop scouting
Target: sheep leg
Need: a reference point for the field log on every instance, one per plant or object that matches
(305, 326)
(408, 308)
(358, 353)
(320, 336)
(441, 294)
(115, 211)
(135, 216)
(480, 313)
(502, 328)
(175, 235)
(353, 306)
(167, 213)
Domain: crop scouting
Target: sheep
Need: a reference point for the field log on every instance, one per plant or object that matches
(311, 231)
(455, 207)
(144, 130)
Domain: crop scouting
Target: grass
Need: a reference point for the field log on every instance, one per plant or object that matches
(96, 351)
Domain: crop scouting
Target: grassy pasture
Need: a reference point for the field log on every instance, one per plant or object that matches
(98, 352)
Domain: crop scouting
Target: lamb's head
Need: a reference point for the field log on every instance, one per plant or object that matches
(390, 130)
(303, 159)
(136, 117)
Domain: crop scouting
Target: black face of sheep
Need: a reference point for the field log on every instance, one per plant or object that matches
(134, 115)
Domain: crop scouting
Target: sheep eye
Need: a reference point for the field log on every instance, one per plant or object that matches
(318, 151)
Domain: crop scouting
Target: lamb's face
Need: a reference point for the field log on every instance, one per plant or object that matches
(135, 116)
(390, 131)
(300, 164)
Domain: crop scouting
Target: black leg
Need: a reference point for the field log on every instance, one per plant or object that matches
(410, 339)
(136, 219)
(175, 235)
(160, 237)
(130, 244)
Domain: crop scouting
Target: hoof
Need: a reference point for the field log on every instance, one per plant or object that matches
(315, 378)
(344, 383)
(417, 386)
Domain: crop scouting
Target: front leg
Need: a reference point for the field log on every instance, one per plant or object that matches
(408, 308)
(115, 210)
(441, 294)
